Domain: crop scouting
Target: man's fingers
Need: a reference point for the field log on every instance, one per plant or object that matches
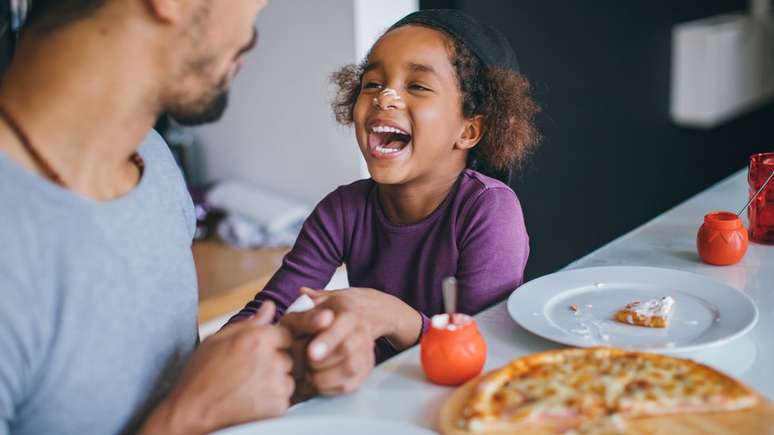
(285, 362)
(290, 385)
(235, 329)
(265, 313)
(279, 337)
(331, 338)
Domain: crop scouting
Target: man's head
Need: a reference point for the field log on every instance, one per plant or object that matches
(196, 46)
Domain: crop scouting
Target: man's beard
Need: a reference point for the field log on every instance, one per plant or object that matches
(206, 112)
(211, 107)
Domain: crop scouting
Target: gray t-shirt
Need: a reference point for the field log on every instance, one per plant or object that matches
(98, 300)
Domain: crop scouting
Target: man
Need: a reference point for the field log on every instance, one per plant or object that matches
(98, 288)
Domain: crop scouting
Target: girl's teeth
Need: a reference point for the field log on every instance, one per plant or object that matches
(384, 150)
(386, 129)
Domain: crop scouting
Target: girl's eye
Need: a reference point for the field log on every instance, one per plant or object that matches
(371, 85)
(417, 87)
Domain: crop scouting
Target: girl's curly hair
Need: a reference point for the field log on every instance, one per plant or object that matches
(501, 97)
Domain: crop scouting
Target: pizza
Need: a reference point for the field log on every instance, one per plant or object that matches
(566, 389)
(654, 313)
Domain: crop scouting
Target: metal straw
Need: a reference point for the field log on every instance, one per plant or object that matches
(752, 198)
(450, 297)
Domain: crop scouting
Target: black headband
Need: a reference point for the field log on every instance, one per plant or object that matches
(487, 43)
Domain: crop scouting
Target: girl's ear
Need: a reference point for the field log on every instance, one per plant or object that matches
(472, 131)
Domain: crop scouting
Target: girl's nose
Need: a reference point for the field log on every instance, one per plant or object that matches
(388, 99)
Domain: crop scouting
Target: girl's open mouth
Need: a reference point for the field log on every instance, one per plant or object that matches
(387, 142)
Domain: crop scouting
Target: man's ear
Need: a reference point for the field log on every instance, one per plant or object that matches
(472, 131)
(168, 11)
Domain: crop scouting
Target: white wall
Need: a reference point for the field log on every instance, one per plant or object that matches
(279, 131)
(374, 17)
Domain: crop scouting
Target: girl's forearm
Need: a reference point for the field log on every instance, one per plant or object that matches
(401, 324)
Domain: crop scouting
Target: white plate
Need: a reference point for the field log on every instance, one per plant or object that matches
(706, 312)
(326, 426)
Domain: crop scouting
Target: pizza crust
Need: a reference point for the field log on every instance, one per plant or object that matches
(653, 313)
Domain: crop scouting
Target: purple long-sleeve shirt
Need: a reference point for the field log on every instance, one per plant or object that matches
(477, 234)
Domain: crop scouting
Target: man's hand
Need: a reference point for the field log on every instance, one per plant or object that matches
(237, 375)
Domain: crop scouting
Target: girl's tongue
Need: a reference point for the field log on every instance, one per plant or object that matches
(388, 142)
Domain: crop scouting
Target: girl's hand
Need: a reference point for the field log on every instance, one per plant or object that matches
(343, 326)
(340, 354)
(386, 315)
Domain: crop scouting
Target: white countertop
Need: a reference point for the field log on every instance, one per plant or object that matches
(397, 390)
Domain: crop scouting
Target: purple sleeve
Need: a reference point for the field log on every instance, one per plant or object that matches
(318, 251)
(493, 250)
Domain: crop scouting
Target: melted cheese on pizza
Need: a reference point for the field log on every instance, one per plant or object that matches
(581, 384)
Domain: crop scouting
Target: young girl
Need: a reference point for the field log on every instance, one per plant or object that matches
(437, 105)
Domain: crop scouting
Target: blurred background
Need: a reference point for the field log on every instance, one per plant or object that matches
(612, 158)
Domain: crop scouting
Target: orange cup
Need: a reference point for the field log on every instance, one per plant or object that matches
(452, 353)
(722, 239)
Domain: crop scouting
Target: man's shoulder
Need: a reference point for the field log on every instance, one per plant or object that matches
(154, 147)
(166, 175)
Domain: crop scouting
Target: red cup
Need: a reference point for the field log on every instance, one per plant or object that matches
(722, 239)
(761, 210)
(452, 353)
